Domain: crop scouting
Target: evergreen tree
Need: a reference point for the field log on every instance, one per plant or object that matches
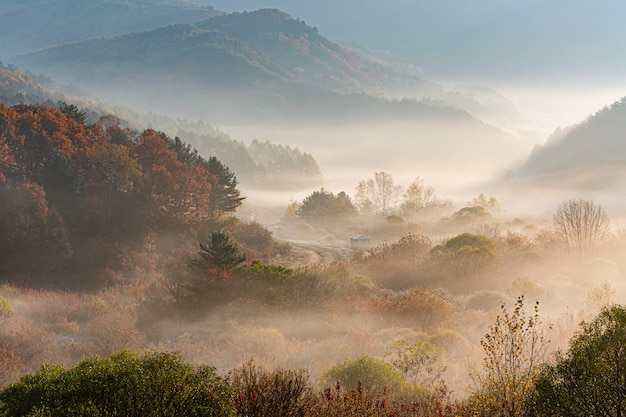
(324, 205)
(225, 197)
(219, 252)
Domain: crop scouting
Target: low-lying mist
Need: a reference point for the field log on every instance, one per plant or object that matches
(451, 157)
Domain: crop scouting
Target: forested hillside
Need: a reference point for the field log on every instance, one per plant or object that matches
(589, 154)
(267, 166)
(90, 201)
(238, 67)
(34, 24)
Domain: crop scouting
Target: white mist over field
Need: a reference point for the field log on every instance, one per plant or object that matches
(456, 163)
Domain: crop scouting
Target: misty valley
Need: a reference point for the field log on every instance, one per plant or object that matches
(216, 213)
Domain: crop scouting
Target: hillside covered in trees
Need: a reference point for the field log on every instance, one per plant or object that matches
(262, 165)
(244, 67)
(61, 22)
(82, 198)
(590, 154)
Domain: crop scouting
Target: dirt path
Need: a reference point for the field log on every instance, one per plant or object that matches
(309, 252)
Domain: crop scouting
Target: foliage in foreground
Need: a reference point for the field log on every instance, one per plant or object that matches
(124, 384)
(590, 378)
(261, 392)
(514, 349)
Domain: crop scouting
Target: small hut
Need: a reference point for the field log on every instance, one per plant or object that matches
(360, 241)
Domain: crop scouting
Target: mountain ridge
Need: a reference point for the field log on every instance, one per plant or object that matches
(61, 22)
(593, 151)
(265, 57)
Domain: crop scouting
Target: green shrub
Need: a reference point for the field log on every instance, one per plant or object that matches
(123, 384)
(265, 283)
(364, 372)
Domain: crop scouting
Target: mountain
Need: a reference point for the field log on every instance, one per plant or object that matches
(35, 24)
(480, 40)
(591, 153)
(256, 65)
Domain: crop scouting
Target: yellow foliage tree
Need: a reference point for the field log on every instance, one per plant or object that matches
(514, 349)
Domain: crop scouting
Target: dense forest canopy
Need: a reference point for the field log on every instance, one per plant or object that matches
(86, 186)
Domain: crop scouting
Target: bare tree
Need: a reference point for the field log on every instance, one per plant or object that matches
(420, 197)
(378, 195)
(581, 226)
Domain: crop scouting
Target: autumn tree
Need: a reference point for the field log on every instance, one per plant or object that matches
(420, 363)
(490, 203)
(514, 351)
(280, 392)
(38, 131)
(6, 159)
(378, 195)
(419, 197)
(110, 175)
(178, 192)
(33, 237)
(581, 226)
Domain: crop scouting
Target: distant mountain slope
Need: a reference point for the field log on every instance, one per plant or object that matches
(529, 40)
(592, 152)
(257, 65)
(34, 24)
(298, 52)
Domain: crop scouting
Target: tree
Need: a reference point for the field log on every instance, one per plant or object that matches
(110, 174)
(219, 252)
(419, 197)
(590, 378)
(176, 190)
(378, 195)
(470, 215)
(422, 363)
(262, 393)
(581, 226)
(488, 203)
(468, 253)
(323, 205)
(514, 350)
(265, 283)
(369, 373)
(33, 237)
(123, 384)
(6, 159)
(225, 197)
(73, 112)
